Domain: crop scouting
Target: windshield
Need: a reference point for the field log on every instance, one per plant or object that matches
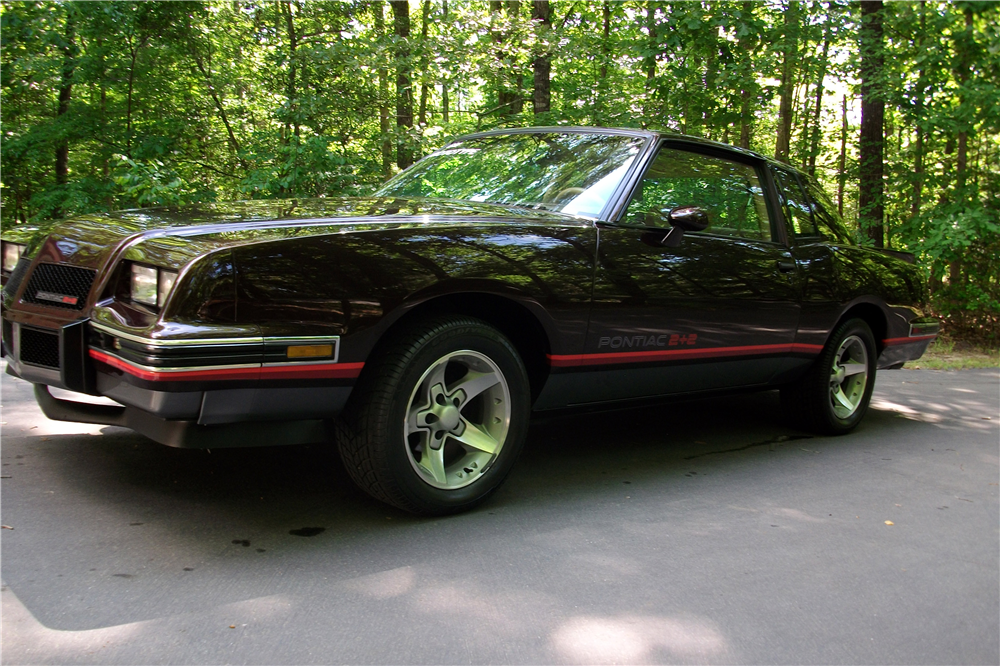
(565, 172)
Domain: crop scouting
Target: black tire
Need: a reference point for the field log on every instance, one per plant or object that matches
(411, 436)
(833, 396)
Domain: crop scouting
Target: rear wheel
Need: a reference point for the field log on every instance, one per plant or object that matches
(438, 418)
(833, 396)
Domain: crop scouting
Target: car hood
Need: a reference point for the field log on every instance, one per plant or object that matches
(90, 240)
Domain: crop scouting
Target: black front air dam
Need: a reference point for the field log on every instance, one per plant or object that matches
(183, 434)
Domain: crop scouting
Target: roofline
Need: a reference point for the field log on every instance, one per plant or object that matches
(700, 141)
(615, 131)
(561, 129)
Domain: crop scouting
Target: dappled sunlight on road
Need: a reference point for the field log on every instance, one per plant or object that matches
(26, 636)
(385, 584)
(947, 409)
(633, 639)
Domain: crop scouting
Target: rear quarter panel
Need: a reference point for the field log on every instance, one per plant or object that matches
(836, 278)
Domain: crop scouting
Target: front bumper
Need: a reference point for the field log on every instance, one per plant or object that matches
(180, 413)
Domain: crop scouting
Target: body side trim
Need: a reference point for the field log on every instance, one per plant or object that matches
(571, 360)
(902, 341)
(321, 370)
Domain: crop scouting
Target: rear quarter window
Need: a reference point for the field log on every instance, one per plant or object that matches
(828, 220)
(797, 207)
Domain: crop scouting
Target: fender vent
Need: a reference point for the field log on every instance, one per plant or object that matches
(59, 286)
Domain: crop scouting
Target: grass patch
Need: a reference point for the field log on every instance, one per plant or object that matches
(948, 354)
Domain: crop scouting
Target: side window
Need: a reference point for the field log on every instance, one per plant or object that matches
(827, 218)
(798, 210)
(730, 192)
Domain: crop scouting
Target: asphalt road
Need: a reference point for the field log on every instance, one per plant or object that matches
(699, 532)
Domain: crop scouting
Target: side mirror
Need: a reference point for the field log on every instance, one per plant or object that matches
(684, 218)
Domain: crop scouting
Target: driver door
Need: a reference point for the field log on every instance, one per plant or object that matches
(718, 311)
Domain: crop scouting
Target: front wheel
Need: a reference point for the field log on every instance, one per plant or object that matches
(438, 418)
(833, 396)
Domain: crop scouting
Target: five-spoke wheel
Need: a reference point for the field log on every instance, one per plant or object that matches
(457, 420)
(438, 417)
(833, 395)
(848, 377)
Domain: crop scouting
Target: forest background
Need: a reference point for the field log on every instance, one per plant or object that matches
(894, 107)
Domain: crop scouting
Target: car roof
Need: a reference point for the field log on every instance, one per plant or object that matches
(617, 131)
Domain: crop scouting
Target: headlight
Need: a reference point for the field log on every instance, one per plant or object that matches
(11, 254)
(151, 285)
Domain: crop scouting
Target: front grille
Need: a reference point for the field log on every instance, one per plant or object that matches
(16, 276)
(59, 286)
(39, 347)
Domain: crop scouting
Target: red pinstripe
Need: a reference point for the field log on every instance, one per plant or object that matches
(320, 371)
(902, 341)
(571, 360)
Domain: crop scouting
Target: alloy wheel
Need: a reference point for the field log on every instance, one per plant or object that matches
(848, 377)
(457, 419)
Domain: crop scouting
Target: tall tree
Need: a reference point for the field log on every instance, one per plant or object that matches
(871, 205)
(541, 17)
(789, 55)
(748, 43)
(918, 102)
(649, 50)
(404, 88)
(814, 140)
(445, 110)
(68, 48)
(425, 13)
(385, 145)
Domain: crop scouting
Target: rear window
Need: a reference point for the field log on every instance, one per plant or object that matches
(830, 224)
(798, 208)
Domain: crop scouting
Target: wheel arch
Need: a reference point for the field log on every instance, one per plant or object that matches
(512, 318)
(873, 315)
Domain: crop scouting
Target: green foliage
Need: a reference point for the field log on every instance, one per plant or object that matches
(307, 167)
(151, 183)
(172, 102)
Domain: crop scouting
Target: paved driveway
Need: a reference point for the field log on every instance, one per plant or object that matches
(695, 532)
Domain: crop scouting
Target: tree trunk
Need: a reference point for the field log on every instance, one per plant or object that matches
(516, 102)
(871, 210)
(290, 89)
(601, 85)
(963, 44)
(444, 85)
(747, 76)
(918, 157)
(818, 109)
(383, 94)
(404, 90)
(500, 82)
(842, 164)
(65, 93)
(508, 81)
(541, 16)
(649, 61)
(424, 16)
(789, 54)
(134, 54)
(233, 143)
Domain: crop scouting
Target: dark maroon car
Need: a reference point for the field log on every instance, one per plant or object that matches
(509, 272)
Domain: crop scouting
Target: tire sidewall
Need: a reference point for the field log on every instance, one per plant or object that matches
(461, 335)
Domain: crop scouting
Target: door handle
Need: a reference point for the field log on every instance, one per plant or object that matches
(786, 266)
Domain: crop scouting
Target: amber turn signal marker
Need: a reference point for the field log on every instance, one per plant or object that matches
(310, 351)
